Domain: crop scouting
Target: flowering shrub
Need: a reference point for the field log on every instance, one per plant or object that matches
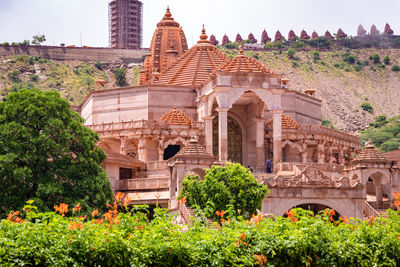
(124, 237)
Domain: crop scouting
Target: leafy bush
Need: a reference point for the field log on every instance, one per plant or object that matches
(315, 56)
(295, 64)
(349, 58)
(98, 65)
(367, 107)
(297, 44)
(34, 78)
(14, 76)
(120, 76)
(357, 68)
(386, 60)
(6, 44)
(291, 52)
(396, 68)
(125, 237)
(383, 132)
(231, 45)
(222, 186)
(327, 123)
(375, 58)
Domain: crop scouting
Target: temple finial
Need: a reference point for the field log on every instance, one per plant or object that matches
(203, 36)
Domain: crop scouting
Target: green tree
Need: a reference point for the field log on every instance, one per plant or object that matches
(120, 76)
(231, 184)
(47, 155)
(38, 39)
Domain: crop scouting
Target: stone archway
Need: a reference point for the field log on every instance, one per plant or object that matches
(316, 208)
(235, 139)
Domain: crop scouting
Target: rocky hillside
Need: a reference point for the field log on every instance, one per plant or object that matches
(343, 80)
(73, 79)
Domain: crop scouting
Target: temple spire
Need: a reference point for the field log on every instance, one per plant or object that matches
(203, 37)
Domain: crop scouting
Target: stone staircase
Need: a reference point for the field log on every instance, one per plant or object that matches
(186, 213)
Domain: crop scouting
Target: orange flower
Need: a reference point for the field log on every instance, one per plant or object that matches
(332, 213)
(95, 212)
(243, 236)
(261, 259)
(127, 201)
(397, 199)
(77, 208)
(119, 196)
(62, 209)
(13, 217)
(70, 238)
(222, 213)
(345, 219)
(218, 213)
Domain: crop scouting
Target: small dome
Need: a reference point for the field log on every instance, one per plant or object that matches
(176, 117)
(243, 63)
(370, 154)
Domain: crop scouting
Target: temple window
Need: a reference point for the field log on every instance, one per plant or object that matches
(125, 173)
(171, 151)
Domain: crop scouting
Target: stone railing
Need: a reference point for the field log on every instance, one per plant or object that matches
(157, 165)
(138, 124)
(369, 211)
(316, 129)
(143, 184)
(185, 213)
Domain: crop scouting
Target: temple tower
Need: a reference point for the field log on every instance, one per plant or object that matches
(167, 45)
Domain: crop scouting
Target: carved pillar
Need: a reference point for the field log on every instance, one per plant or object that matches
(208, 123)
(223, 133)
(260, 152)
(379, 195)
(321, 152)
(304, 153)
(277, 137)
(160, 149)
(341, 159)
(123, 147)
(142, 149)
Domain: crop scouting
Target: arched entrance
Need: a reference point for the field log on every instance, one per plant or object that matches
(234, 140)
(316, 208)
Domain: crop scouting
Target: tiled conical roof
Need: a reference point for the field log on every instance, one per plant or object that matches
(176, 117)
(287, 122)
(193, 148)
(243, 63)
(370, 154)
(195, 66)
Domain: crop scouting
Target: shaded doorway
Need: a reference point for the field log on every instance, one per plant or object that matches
(316, 208)
(234, 140)
(171, 151)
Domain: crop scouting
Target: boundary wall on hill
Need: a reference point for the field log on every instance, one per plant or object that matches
(76, 53)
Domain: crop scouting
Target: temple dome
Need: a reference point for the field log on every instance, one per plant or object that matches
(243, 63)
(370, 154)
(176, 117)
(168, 44)
(195, 66)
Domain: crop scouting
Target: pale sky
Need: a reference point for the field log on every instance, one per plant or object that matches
(63, 21)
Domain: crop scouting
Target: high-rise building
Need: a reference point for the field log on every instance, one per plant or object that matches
(125, 18)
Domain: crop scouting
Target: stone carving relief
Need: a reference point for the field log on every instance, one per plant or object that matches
(311, 175)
